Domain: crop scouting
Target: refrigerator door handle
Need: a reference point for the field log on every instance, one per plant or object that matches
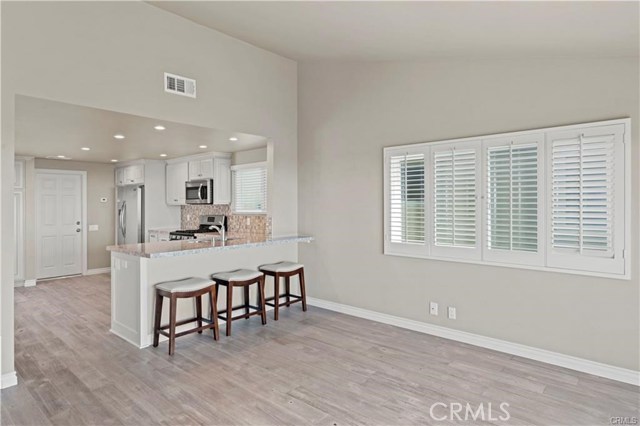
(123, 219)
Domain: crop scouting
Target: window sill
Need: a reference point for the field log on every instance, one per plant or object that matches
(625, 276)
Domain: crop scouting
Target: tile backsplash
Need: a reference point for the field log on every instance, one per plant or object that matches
(236, 223)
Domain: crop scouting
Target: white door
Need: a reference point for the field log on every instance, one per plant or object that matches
(59, 226)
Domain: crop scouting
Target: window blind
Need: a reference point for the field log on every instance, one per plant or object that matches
(512, 197)
(454, 197)
(250, 190)
(407, 198)
(583, 194)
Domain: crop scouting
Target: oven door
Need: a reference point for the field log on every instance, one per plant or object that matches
(199, 191)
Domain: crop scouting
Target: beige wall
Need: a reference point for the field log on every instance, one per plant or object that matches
(112, 55)
(349, 112)
(250, 156)
(100, 183)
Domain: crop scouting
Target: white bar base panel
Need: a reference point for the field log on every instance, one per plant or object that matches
(542, 355)
(9, 379)
(98, 271)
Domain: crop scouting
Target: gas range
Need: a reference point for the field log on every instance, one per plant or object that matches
(206, 223)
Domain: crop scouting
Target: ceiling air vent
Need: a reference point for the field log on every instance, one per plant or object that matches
(179, 85)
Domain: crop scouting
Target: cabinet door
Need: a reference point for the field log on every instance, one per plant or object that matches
(177, 175)
(222, 181)
(119, 177)
(18, 182)
(194, 170)
(206, 169)
(134, 174)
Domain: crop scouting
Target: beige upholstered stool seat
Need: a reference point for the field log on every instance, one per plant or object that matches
(237, 275)
(281, 267)
(184, 285)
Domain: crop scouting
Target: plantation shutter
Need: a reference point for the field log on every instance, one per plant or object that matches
(406, 202)
(249, 189)
(455, 204)
(587, 199)
(512, 199)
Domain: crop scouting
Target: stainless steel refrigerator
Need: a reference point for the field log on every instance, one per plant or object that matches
(130, 214)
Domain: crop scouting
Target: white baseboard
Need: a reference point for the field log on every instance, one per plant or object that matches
(542, 355)
(9, 379)
(98, 271)
(30, 283)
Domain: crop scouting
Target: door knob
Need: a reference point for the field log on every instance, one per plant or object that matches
(78, 229)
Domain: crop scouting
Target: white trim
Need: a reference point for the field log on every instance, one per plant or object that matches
(97, 271)
(30, 283)
(542, 355)
(85, 228)
(9, 379)
(199, 156)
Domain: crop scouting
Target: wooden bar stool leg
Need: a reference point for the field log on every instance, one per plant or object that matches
(199, 312)
(303, 291)
(213, 302)
(229, 307)
(172, 324)
(263, 305)
(158, 318)
(246, 300)
(276, 298)
(287, 286)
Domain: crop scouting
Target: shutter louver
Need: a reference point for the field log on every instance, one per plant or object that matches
(250, 190)
(455, 198)
(406, 191)
(512, 198)
(583, 195)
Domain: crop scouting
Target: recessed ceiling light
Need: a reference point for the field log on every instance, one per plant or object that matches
(61, 156)
(114, 161)
(84, 148)
(163, 155)
(202, 147)
(159, 127)
(118, 136)
(233, 139)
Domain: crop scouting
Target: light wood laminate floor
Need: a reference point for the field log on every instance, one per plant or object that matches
(317, 367)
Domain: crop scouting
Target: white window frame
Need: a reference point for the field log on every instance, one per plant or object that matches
(622, 238)
(404, 248)
(509, 256)
(239, 167)
(474, 252)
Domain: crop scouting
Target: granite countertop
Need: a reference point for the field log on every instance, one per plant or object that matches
(187, 247)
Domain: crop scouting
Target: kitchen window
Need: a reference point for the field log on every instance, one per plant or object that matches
(552, 199)
(249, 182)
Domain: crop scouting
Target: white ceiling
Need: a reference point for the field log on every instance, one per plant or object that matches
(394, 30)
(47, 129)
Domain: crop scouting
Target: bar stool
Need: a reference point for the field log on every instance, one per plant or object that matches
(241, 278)
(286, 270)
(181, 289)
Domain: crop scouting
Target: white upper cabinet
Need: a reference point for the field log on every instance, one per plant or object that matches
(130, 175)
(201, 169)
(177, 175)
(18, 182)
(222, 180)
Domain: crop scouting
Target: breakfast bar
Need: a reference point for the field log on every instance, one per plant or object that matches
(137, 268)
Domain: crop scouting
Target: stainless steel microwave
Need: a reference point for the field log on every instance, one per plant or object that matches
(199, 191)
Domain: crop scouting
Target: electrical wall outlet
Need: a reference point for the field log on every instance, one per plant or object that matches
(451, 312)
(433, 308)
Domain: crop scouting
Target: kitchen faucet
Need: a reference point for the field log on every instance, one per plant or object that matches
(221, 232)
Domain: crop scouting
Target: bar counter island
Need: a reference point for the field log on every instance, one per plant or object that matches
(137, 268)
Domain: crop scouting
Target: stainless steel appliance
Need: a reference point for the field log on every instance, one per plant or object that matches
(130, 217)
(199, 191)
(208, 223)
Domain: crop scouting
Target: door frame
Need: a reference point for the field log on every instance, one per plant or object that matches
(83, 196)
